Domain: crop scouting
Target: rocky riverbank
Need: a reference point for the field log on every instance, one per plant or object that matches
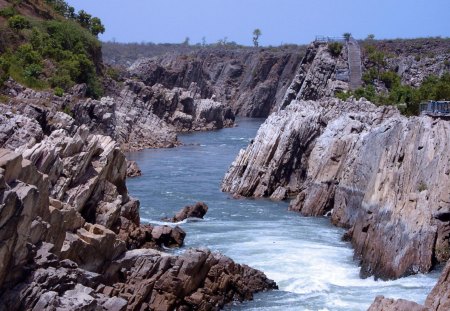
(136, 116)
(249, 81)
(71, 237)
(375, 172)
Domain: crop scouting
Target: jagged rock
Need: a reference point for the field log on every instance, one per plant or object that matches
(92, 247)
(370, 168)
(198, 280)
(133, 169)
(149, 117)
(316, 75)
(195, 211)
(24, 209)
(439, 298)
(17, 130)
(168, 236)
(384, 304)
(250, 82)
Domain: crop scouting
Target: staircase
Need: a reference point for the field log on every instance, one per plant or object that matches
(354, 64)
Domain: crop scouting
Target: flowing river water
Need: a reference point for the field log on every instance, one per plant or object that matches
(312, 266)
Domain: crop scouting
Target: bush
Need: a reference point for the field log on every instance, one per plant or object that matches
(390, 79)
(370, 75)
(18, 22)
(59, 91)
(33, 71)
(343, 95)
(8, 12)
(335, 48)
(367, 92)
(4, 70)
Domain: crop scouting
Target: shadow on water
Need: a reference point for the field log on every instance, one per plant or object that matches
(313, 267)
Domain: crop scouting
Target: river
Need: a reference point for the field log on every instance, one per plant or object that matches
(312, 266)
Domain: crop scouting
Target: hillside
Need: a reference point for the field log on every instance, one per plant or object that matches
(45, 44)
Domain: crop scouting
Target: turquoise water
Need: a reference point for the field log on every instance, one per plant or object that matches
(305, 256)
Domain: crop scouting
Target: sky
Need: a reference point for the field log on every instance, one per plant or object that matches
(280, 21)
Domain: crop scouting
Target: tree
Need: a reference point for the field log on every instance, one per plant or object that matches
(256, 34)
(370, 36)
(84, 19)
(96, 26)
(186, 41)
(203, 41)
(347, 36)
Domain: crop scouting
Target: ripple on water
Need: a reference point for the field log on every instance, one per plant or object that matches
(313, 267)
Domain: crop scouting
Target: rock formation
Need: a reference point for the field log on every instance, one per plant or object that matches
(319, 75)
(437, 300)
(137, 117)
(70, 234)
(133, 169)
(379, 174)
(195, 211)
(251, 82)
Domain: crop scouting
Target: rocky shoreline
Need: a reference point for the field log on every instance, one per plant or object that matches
(71, 236)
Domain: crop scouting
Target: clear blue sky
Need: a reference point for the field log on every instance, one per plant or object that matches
(281, 21)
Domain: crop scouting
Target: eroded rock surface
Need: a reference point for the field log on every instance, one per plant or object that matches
(383, 176)
(250, 82)
(68, 225)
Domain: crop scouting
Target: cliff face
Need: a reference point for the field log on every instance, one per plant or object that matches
(251, 82)
(373, 171)
(136, 116)
(318, 75)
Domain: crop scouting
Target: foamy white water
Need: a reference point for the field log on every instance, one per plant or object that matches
(314, 269)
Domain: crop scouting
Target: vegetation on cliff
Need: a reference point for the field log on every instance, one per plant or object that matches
(52, 47)
(383, 85)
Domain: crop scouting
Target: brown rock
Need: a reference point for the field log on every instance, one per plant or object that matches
(133, 169)
(168, 236)
(384, 304)
(195, 211)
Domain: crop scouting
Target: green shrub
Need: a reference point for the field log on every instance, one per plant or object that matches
(390, 79)
(18, 22)
(33, 71)
(4, 70)
(59, 91)
(370, 75)
(335, 48)
(367, 92)
(8, 12)
(343, 95)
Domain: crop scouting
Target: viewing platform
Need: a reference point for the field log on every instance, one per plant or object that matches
(436, 109)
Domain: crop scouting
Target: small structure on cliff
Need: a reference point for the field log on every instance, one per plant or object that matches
(439, 109)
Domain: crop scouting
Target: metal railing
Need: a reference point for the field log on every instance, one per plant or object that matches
(435, 108)
(325, 39)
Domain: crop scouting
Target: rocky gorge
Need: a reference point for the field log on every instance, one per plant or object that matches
(71, 235)
(378, 174)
